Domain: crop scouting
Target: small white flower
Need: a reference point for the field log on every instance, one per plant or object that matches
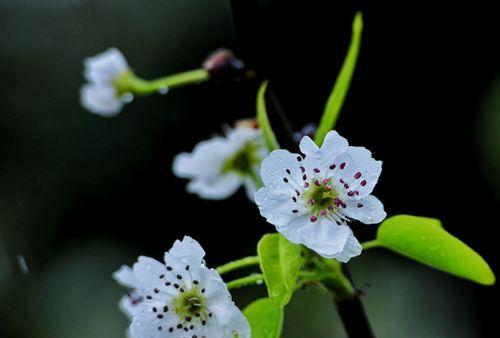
(101, 94)
(181, 298)
(310, 198)
(219, 166)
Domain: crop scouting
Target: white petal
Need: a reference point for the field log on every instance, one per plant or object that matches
(276, 206)
(128, 307)
(238, 325)
(104, 68)
(145, 325)
(100, 100)
(148, 272)
(368, 210)
(324, 237)
(313, 154)
(216, 189)
(187, 248)
(352, 248)
(273, 169)
(250, 188)
(238, 137)
(333, 145)
(125, 276)
(360, 171)
(205, 161)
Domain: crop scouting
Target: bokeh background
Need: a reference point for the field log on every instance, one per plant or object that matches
(80, 195)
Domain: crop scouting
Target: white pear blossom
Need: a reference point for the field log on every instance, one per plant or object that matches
(101, 94)
(218, 167)
(180, 298)
(310, 197)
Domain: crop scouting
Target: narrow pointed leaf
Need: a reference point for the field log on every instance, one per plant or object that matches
(280, 261)
(265, 126)
(426, 241)
(265, 318)
(341, 87)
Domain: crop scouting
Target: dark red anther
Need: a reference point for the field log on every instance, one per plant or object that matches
(314, 218)
(316, 182)
(342, 165)
(357, 175)
(316, 170)
(332, 166)
(363, 183)
(360, 205)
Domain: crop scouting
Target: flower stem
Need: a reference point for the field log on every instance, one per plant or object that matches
(254, 279)
(238, 264)
(140, 86)
(370, 244)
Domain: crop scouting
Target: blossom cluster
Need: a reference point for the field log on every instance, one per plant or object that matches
(310, 197)
(179, 298)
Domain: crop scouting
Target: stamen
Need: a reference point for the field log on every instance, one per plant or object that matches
(363, 183)
(332, 166)
(342, 165)
(357, 175)
(316, 170)
(314, 218)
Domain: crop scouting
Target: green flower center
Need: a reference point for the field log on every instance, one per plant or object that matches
(190, 304)
(320, 196)
(243, 161)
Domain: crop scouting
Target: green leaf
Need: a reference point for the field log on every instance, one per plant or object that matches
(280, 261)
(425, 240)
(339, 91)
(265, 126)
(265, 318)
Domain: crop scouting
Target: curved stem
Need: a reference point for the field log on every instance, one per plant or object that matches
(255, 279)
(370, 244)
(238, 264)
(140, 86)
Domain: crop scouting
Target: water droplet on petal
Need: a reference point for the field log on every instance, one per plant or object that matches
(163, 90)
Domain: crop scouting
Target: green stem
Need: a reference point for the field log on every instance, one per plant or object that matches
(370, 244)
(256, 179)
(337, 282)
(245, 281)
(238, 264)
(139, 86)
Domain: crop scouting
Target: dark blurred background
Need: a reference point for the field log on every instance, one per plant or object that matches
(80, 195)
